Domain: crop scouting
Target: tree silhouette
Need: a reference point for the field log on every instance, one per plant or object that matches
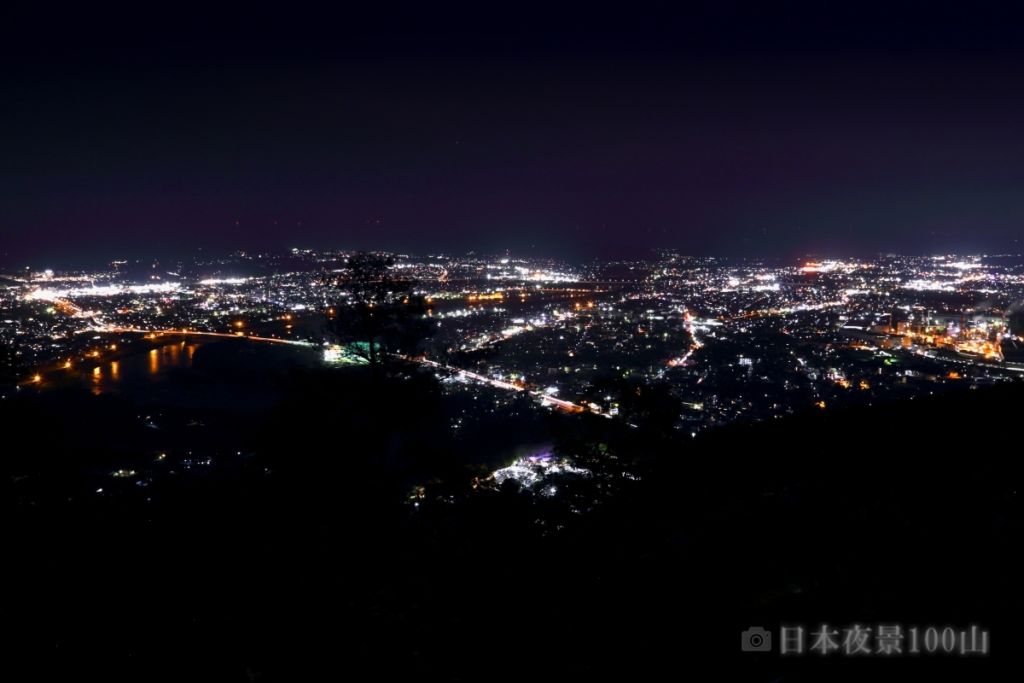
(381, 315)
(1016, 320)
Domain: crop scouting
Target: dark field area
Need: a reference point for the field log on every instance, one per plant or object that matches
(303, 554)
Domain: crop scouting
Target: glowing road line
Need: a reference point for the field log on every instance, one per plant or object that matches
(223, 335)
(501, 384)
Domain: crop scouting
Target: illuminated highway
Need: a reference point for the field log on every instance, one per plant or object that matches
(223, 335)
(500, 384)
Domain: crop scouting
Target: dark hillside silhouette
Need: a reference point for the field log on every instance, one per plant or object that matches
(305, 556)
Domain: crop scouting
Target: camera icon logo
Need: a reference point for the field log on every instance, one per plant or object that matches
(756, 639)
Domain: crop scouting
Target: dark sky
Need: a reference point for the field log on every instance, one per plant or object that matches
(757, 128)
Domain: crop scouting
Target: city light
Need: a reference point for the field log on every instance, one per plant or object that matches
(670, 326)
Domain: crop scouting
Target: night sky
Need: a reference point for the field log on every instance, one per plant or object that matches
(775, 129)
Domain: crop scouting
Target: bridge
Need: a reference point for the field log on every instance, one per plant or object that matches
(151, 334)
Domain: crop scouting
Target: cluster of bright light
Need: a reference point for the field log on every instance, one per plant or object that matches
(53, 294)
(464, 312)
(929, 286)
(759, 283)
(533, 469)
(224, 281)
(486, 296)
(336, 354)
(515, 329)
(533, 275)
(829, 266)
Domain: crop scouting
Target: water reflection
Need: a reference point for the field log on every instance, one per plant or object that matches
(97, 380)
(165, 374)
(143, 367)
